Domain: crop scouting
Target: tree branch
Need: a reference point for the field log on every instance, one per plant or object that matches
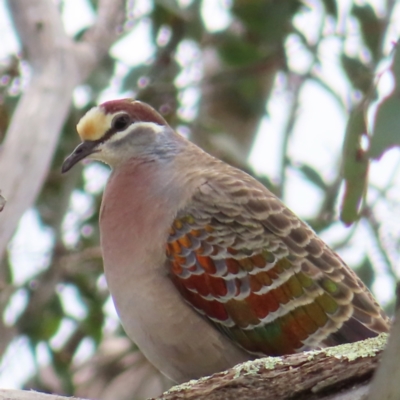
(101, 36)
(335, 373)
(58, 66)
(10, 394)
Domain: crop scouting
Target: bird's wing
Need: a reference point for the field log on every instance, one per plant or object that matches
(261, 275)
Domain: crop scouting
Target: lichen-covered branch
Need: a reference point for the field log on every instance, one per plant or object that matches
(336, 373)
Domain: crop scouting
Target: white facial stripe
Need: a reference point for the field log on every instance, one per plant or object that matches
(95, 123)
(131, 128)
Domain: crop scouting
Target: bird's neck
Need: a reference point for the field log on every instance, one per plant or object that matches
(139, 205)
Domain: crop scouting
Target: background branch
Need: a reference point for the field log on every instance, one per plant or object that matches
(58, 66)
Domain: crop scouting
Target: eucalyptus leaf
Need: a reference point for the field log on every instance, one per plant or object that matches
(386, 133)
(355, 167)
(372, 27)
(331, 7)
(313, 176)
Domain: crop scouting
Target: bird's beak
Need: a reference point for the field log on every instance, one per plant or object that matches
(83, 150)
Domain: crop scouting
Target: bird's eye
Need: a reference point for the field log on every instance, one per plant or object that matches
(121, 122)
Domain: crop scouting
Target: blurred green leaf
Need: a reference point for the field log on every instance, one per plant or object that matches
(386, 132)
(93, 323)
(372, 28)
(243, 96)
(366, 272)
(194, 27)
(188, 21)
(236, 52)
(313, 176)
(330, 7)
(358, 73)
(170, 6)
(44, 325)
(165, 12)
(271, 20)
(355, 167)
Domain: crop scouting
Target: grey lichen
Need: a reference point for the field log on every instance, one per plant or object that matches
(255, 366)
(189, 384)
(364, 348)
(352, 351)
(247, 368)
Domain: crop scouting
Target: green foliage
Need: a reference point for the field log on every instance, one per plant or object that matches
(358, 73)
(268, 20)
(386, 132)
(237, 53)
(387, 127)
(365, 270)
(44, 326)
(372, 28)
(313, 176)
(331, 7)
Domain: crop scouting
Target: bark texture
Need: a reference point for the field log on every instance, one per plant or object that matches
(336, 373)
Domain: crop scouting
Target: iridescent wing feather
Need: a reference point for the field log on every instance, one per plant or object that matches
(261, 275)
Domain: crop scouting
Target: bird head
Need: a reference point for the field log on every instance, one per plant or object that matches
(122, 129)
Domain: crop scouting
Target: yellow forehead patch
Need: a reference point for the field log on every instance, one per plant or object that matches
(94, 124)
